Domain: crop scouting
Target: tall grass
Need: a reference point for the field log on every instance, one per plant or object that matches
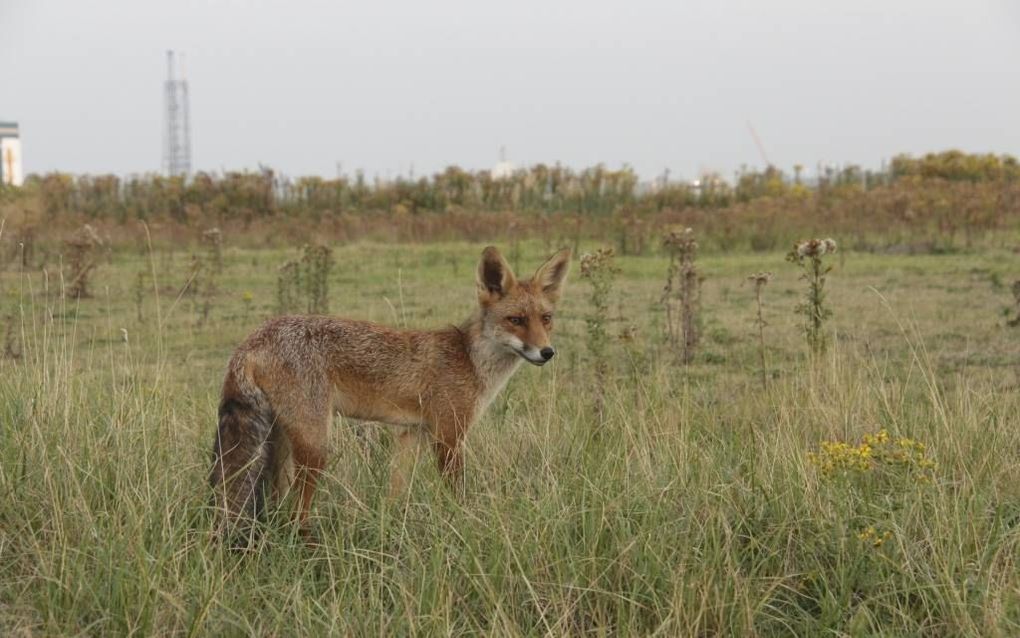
(693, 509)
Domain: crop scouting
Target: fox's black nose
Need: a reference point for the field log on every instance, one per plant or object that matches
(547, 353)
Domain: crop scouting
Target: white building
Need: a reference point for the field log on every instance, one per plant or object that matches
(11, 173)
(502, 170)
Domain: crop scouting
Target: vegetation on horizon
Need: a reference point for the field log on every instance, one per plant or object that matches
(934, 203)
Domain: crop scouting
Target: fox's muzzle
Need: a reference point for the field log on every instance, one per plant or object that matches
(535, 356)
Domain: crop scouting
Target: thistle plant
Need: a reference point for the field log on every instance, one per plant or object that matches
(194, 283)
(809, 255)
(288, 283)
(82, 260)
(629, 338)
(682, 293)
(759, 280)
(12, 345)
(139, 293)
(302, 285)
(1015, 321)
(213, 240)
(316, 264)
(598, 268)
(27, 245)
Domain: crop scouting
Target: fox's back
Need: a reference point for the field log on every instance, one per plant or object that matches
(358, 356)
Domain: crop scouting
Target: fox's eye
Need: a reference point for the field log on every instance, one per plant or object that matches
(546, 318)
(517, 321)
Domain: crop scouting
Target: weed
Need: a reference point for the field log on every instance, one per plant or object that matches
(1015, 321)
(600, 271)
(682, 292)
(759, 280)
(81, 260)
(302, 285)
(871, 536)
(26, 243)
(809, 256)
(213, 241)
(12, 345)
(316, 264)
(193, 282)
(139, 288)
(200, 286)
(878, 453)
(288, 285)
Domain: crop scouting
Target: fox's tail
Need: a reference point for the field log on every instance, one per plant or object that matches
(243, 455)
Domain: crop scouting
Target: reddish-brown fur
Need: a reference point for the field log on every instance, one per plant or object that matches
(286, 381)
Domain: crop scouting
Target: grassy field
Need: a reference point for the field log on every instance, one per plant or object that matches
(702, 504)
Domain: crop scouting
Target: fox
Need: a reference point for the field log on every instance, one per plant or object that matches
(285, 383)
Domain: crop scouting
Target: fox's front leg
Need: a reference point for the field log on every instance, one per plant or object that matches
(447, 445)
(407, 445)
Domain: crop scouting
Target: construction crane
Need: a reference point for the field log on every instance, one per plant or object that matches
(757, 142)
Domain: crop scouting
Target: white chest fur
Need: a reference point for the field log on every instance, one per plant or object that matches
(494, 366)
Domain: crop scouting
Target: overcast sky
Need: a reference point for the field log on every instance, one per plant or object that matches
(385, 85)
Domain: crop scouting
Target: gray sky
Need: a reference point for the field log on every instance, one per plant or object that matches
(384, 84)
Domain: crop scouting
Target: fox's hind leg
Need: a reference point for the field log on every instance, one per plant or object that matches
(307, 475)
(305, 423)
(283, 467)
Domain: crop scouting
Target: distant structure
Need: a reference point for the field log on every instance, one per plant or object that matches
(176, 122)
(10, 155)
(503, 169)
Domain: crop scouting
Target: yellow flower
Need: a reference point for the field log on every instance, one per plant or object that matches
(875, 451)
(871, 535)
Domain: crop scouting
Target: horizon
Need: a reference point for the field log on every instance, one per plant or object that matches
(809, 174)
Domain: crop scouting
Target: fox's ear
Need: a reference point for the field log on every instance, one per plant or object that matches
(495, 278)
(551, 275)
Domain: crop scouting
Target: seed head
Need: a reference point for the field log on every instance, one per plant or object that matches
(680, 240)
(815, 247)
(596, 262)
